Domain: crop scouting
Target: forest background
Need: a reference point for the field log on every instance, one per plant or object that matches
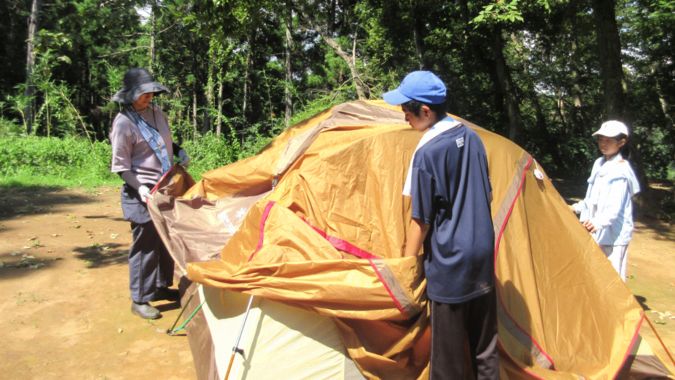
(545, 73)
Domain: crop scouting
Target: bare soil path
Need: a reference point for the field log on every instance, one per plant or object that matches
(64, 305)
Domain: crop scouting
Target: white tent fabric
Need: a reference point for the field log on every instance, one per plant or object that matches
(278, 341)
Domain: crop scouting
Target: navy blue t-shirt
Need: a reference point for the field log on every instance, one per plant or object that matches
(451, 192)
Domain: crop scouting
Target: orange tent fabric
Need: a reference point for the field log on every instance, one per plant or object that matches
(317, 221)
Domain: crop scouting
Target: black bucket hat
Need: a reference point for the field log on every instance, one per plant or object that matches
(137, 81)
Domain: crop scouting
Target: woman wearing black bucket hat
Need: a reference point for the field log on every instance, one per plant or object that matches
(142, 151)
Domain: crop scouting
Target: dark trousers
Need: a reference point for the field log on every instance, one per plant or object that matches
(458, 329)
(150, 265)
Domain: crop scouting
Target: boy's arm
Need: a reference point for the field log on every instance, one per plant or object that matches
(417, 232)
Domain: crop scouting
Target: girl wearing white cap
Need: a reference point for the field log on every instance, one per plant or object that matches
(607, 209)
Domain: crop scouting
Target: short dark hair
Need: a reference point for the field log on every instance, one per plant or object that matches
(626, 151)
(415, 107)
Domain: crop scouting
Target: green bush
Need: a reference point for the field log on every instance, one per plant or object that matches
(9, 128)
(75, 160)
(208, 152)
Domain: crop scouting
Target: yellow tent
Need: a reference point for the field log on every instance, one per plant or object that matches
(317, 222)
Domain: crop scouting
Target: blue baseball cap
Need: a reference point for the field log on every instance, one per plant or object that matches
(423, 86)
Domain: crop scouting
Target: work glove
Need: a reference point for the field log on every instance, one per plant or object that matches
(144, 192)
(184, 158)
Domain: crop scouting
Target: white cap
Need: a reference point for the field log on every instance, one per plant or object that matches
(612, 128)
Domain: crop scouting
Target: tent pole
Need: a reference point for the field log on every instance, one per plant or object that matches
(236, 348)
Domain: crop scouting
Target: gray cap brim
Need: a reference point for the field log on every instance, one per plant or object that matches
(127, 96)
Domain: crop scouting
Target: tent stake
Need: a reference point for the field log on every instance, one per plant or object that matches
(170, 331)
(236, 348)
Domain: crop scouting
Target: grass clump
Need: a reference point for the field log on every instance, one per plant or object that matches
(68, 161)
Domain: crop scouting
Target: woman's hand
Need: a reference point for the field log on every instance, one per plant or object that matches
(589, 226)
(144, 192)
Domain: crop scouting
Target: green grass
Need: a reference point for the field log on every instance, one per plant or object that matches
(27, 179)
(63, 162)
(76, 162)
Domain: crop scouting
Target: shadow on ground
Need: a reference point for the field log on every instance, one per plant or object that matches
(21, 263)
(643, 302)
(101, 255)
(19, 200)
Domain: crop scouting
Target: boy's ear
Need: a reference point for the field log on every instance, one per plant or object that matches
(426, 110)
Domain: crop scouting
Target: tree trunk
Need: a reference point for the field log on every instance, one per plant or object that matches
(609, 55)
(331, 16)
(418, 33)
(219, 120)
(152, 38)
(194, 113)
(30, 64)
(361, 89)
(210, 85)
(288, 98)
(418, 27)
(576, 86)
(505, 84)
(246, 67)
(663, 101)
(550, 142)
(578, 125)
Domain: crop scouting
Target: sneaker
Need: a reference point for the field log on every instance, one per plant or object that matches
(144, 310)
(167, 294)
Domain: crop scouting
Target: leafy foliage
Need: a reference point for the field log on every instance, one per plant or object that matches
(530, 70)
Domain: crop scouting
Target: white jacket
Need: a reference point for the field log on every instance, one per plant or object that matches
(608, 203)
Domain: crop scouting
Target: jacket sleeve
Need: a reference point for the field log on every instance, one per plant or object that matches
(613, 203)
(122, 143)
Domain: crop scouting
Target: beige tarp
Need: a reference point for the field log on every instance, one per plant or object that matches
(329, 239)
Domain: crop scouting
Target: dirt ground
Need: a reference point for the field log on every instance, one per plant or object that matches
(64, 310)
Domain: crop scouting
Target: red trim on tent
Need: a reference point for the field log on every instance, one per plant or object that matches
(343, 245)
(498, 239)
(508, 214)
(347, 247)
(337, 243)
(636, 335)
(261, 230)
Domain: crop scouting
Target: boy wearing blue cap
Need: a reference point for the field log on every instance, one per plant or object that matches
(450, 195)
